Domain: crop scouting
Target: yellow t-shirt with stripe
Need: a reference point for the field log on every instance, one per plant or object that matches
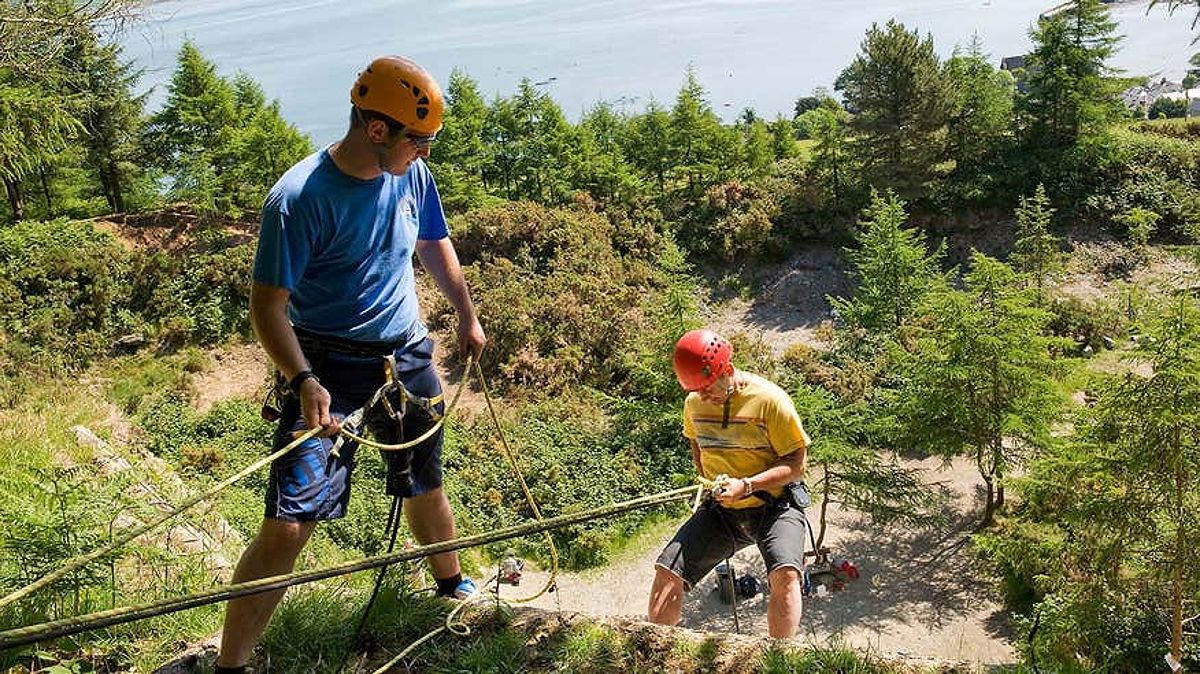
(761, 427)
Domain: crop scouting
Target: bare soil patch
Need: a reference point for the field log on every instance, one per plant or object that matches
(920, 597)
(237, 372)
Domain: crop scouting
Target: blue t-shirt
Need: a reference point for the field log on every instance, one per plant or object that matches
(343, 246)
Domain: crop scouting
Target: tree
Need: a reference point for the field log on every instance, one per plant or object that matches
(852, 472)
(1167, 108)
(531, 140)
(221, 142)
(193, 127)
(979, 377)
(1067, 95)
(758, 154)
(648, 144)
(783, 138)
(111, 117)
(600, 165)
(1036, 252)
(1145, 437)
(893, 269)
(901, 104)
(460, 155)
(699, 145)
(1107, 530)
(33, 34)
(831, 161)
(981, 110)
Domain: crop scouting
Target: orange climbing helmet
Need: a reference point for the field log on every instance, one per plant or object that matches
(701, 357)
(404, 91)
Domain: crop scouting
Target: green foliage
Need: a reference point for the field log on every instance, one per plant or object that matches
(698, 144)
(1066, 95)
(540, 274)
(1036, 253)
(854, 473)
(1101, 543)
(1168, 108)
(980, 120)
(529, 140)
(902, 103)
(1140, 224)
(572, 461)
(894, 270)
(221, 144)
(833, 658)
(460, 153)
(978, 380)
(61, 285)
(833, 164)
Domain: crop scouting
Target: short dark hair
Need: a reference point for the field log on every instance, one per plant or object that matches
(359, 118)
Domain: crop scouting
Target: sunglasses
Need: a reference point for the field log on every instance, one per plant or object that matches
(420, 142)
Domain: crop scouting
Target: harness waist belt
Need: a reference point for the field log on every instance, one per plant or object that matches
(313, 342)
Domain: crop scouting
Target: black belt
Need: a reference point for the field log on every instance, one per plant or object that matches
(312, 342)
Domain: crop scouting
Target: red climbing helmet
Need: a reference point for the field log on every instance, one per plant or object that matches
(701, 357)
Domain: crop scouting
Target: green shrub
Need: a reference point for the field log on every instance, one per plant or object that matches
(562, 292)
(60, 283)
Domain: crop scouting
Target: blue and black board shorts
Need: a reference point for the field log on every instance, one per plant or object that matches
(713, 533)
(309, 483)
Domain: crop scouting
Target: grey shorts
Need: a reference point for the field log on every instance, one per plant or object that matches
(713, 533)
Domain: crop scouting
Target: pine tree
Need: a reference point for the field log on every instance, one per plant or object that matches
(193, 130)
(600, 164)
(111, 116)
(893, 268)
(459, 156)
(854, 474)
(829, 126)
(1036, 253)
(979, 377)
(981, 110)
(697, 139)
(901, 103)
(783, 138)
(648, 144)
(1067, 96)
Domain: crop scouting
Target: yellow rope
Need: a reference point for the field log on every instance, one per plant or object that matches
(537, 512)
(75, 563)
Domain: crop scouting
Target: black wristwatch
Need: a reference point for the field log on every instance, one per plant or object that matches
(301, 377)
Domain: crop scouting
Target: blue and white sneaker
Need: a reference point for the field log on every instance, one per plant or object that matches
(466, 589)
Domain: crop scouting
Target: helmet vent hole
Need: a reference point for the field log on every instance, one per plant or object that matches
(416, 91)
(422, 113)
(423, 101)
(362, 90)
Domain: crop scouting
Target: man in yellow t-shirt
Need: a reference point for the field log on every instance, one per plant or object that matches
(744, 427)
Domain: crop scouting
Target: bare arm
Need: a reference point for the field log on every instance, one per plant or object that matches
(268, 315)
(787, 468)
(441, 261)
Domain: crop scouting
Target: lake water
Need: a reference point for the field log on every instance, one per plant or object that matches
(747, 53)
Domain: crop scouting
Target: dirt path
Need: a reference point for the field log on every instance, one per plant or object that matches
(904, 605)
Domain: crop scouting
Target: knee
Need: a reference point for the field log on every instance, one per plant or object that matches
(667, 587)
(278, 538)
(784, 579)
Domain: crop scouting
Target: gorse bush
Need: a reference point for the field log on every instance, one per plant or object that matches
(563, 293)
(60, 290)
(70, 290)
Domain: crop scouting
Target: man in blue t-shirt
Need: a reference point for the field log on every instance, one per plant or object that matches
(334, 296)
